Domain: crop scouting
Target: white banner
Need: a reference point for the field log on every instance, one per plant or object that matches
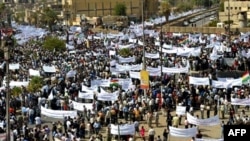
(49, 69)
(209, 139)
(181, 110)
(59, 114)
(227, 83)
(124, 129)
(204, 122)
(242, 102)
(180, 132)
(105, 96)
(175, 70)
(19, 84)
(100, 82)
(79, 106)
(86, 95)
(126, 60)
(152, 56)
(128, 67)
(34, 72)
(14, 66)
(199, 81)
(134, 74)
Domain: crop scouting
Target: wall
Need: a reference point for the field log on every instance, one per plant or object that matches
(207, 30)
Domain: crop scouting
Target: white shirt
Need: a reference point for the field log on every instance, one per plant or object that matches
(38, 120)
(68, 123)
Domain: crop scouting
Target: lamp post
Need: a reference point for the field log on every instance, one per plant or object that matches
(161, 45)
(143, 45)
(7, 42)
(229, 23)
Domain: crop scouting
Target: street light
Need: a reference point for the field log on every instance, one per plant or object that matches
(229, 23)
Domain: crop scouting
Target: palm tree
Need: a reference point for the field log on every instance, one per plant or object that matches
(35, 84)
(165, 8)
(49, 17)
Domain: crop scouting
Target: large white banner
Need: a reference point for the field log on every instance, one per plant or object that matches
(209, 139)
(199, 81)
(19, 83)
(152, 56)
(79, 106)
(14, 66)
(128, 67)
(175, 70)
(204, 122)
(242, 102)
(100, 82)
(124, 129)
(126, 60)
(105, 96)
(181, 110)
(34, 72)
(86, 95)
(227, 83)
(134, 74)
(49, 69)
(181, 132)
(59, 114)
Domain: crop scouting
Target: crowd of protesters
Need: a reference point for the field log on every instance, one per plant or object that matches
(133, 105)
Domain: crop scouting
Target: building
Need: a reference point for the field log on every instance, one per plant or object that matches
(97, 8)
(237, 11)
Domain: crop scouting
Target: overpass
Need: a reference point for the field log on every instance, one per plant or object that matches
(180, 20)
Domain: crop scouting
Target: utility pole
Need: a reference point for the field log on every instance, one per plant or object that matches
(7, 43)
(161, 53)
(143, 45)
(229, 24)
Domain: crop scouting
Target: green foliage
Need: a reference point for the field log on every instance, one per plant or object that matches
(2, 8)
(16, 91)
(49, 17)
(125, 52)
(35, 84)
(54, 44)
(182, 7)
(230, 22)
(221, 8)
(120, 9)
(165, 8)
(213, 23)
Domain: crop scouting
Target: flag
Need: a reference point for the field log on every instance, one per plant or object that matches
(245, 77)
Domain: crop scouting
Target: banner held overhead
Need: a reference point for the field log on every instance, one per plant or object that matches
(144, 79)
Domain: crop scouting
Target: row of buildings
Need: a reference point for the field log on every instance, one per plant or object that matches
(238, 11)
(72, 10)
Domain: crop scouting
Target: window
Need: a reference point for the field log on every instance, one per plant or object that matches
(227, 8)
(235, 8)
(240, 8)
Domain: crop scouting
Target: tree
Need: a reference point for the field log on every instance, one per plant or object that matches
(125, 52)
(49, 17)
(120, 9)
(19, 17)
(16, 91)
(221, 8)
(54, 44)
(184, 7)
(165, 8)
(35, 84)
